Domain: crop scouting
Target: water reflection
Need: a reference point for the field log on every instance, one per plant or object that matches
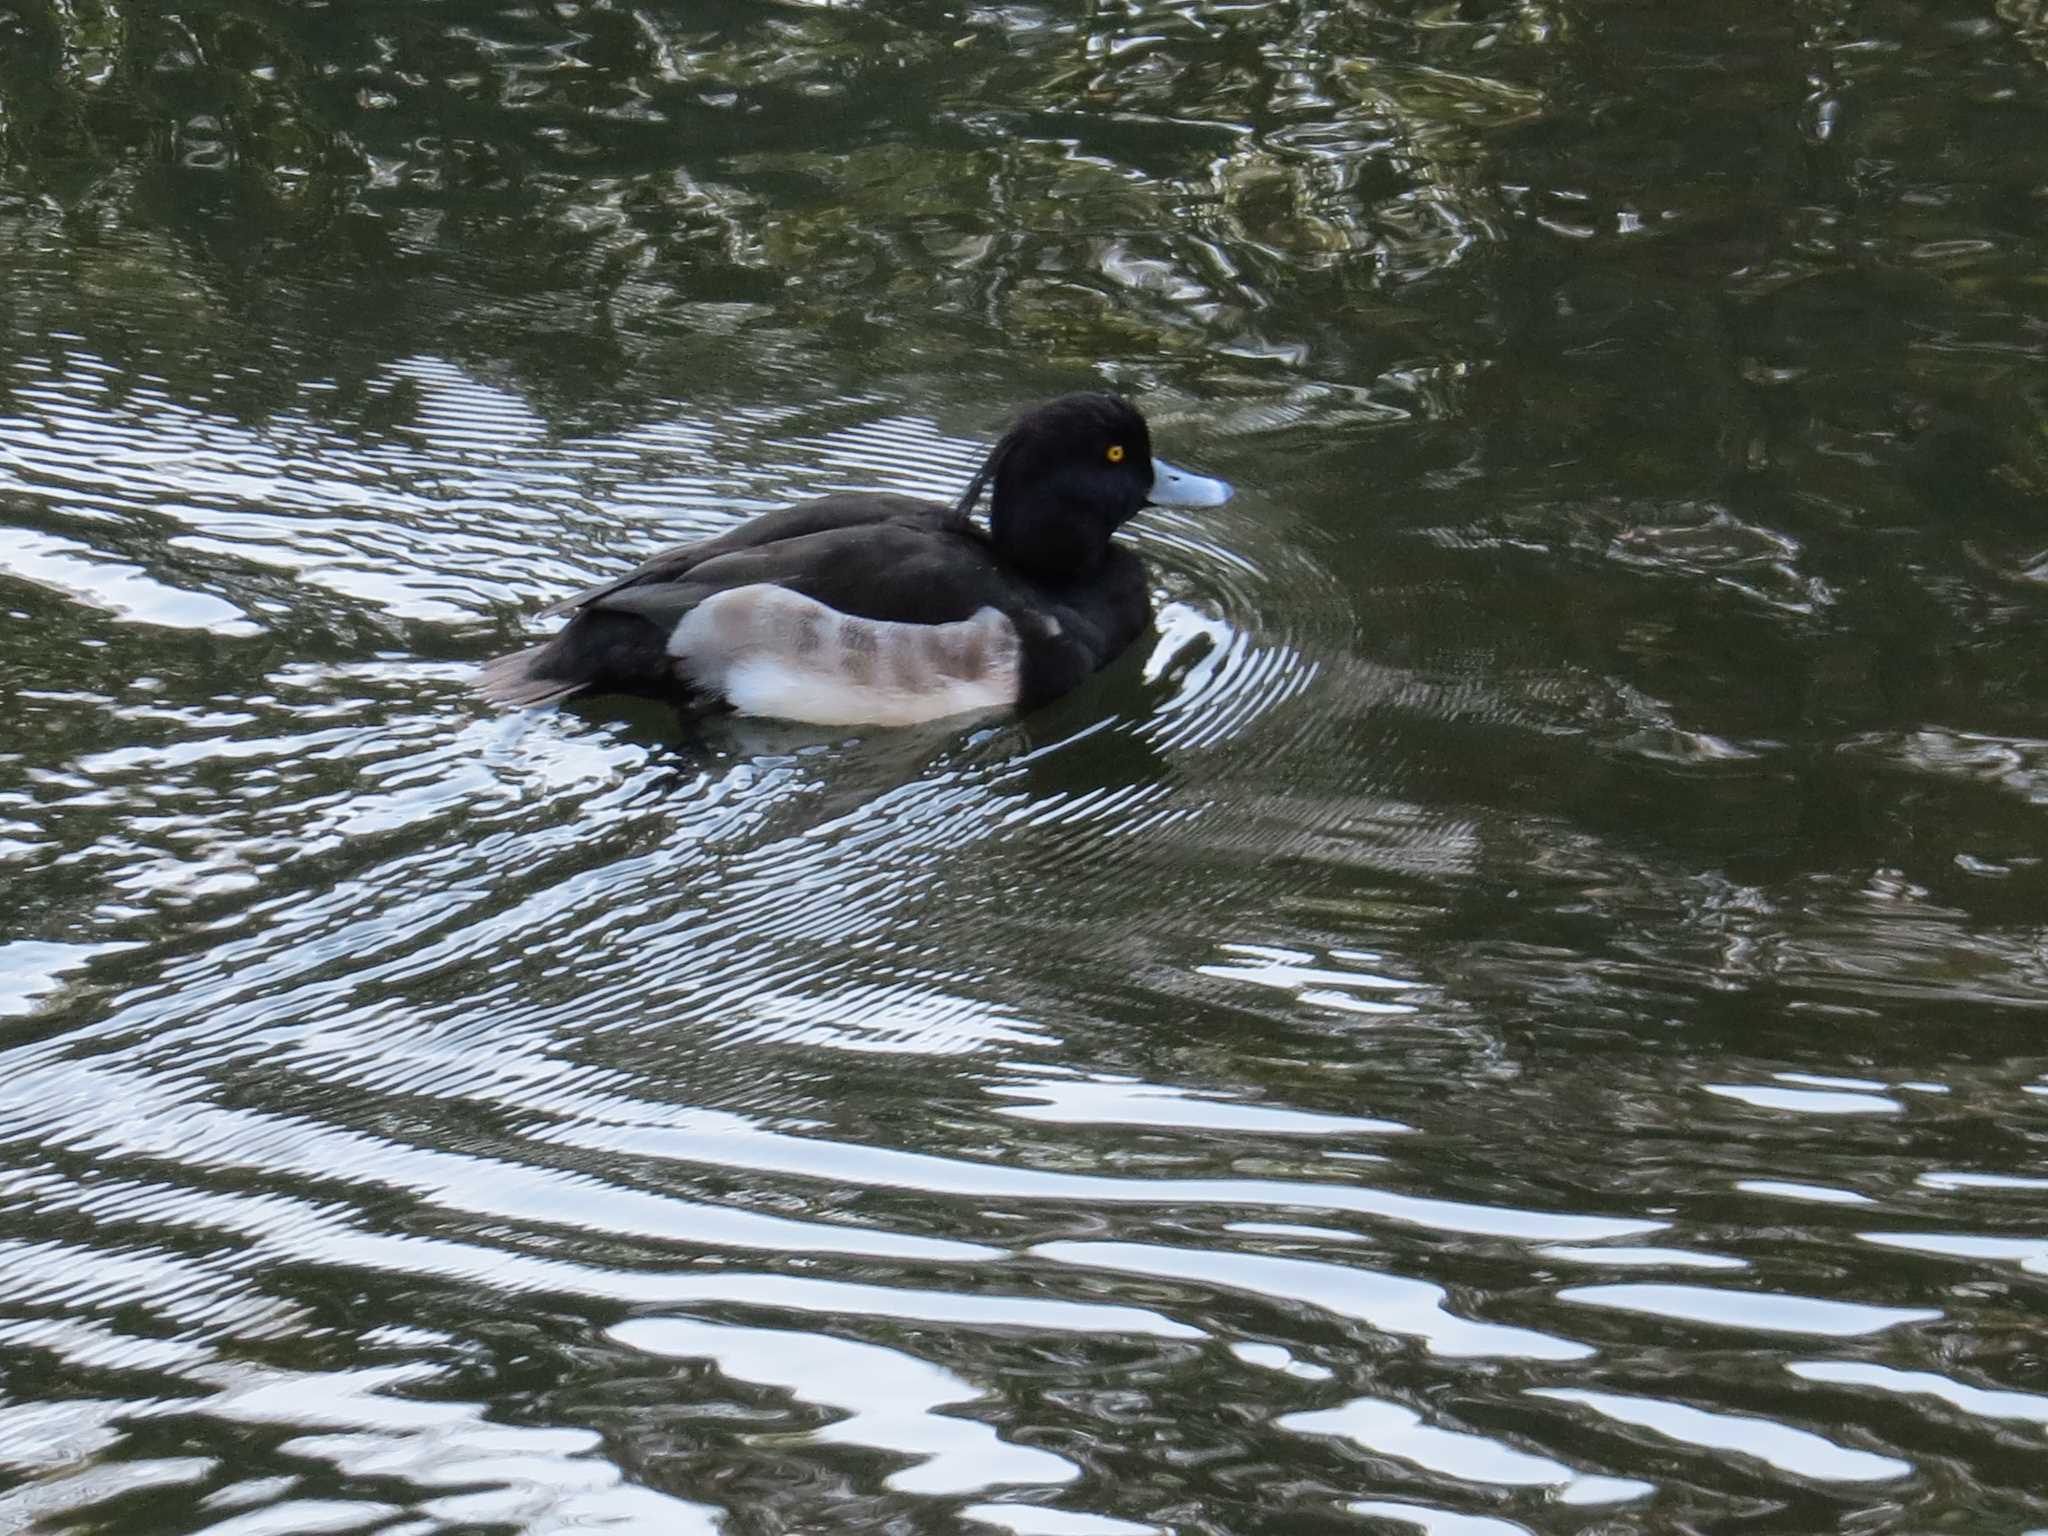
(1791, 1450)
(889, 1398)
(1515, 1006)
(1390, 1303)
(1392, 1430)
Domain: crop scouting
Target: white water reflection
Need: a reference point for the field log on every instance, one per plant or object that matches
(123, 590)
(891, 1399)
(1237, 679)
(312, 1517)
(1390, 1303)
(54, 1500)
(1392, 1429)
(1949, 1179)
(282, 1228)
(531, 1479)
(1436, 1522)
(1984, 1402)
(1761, 1311)
(37, 1437)
(1625, 1256)
(732, 1143)
(1298, 971)
(1797, 1451)
(1805, 1101)
(2030, 1253)
(1128, 1101)
(1037, 1520)
(1295, 1229)
(1833, 1080)
(1272, 1357)
(1813, 1194)
(32, 971)
(161, 1120)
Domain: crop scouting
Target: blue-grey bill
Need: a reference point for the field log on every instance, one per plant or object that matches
(1172, 487)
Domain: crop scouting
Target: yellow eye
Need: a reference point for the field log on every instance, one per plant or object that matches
(1116, 453)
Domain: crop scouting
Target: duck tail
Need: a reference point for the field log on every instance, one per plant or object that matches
(523, 679)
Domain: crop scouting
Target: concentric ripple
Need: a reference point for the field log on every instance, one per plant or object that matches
(542, 1020)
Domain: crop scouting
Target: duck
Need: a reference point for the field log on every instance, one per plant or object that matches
(873, 608)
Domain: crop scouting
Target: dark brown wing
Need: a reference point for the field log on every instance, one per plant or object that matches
(895, 573)
(855, 509)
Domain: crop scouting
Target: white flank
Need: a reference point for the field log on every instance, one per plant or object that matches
(776, 653)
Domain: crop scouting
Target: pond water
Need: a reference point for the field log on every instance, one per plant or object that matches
(1518, 1008)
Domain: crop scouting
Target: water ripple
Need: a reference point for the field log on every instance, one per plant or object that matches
(1791, 1450)
(1390, 1303)
(734, 1145)
(889, 1395)
(1584, 787)
(1397, 1431)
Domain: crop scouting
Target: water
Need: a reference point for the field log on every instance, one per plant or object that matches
(1517, 1009)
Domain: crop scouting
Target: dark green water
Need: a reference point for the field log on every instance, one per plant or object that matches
(1519, 1009)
